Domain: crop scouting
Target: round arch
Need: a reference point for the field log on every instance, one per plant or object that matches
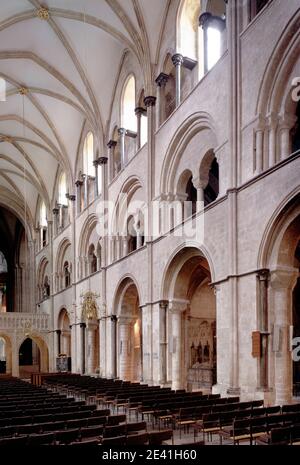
(43, 348)
(192, 126)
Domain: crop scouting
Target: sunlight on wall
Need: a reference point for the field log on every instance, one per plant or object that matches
(128, 106)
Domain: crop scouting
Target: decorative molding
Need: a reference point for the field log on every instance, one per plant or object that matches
(23, 91)
(102, 160)
(111, 144)
(140, 111)
(162, 79)
(150, 101)
(43, 13)
(177, 59)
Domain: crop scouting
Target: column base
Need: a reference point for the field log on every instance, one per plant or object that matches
(234, 391)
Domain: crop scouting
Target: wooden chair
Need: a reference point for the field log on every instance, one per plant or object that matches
(156, 438)
(139, 439)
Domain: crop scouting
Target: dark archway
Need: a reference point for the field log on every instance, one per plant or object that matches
(29, 358)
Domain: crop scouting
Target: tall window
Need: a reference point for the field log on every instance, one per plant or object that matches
(256, 6)
(43, 216)
(43, 225)
(128, 119)
(62, 190)
(3, 263)
(295, 133)
(213, 47)
(67, 275)
(92, 259)
(88, 155)
(191, 198)
(201, 43)
(211, 191)
(188, 29)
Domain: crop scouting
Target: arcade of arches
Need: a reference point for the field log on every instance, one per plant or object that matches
(149, 198)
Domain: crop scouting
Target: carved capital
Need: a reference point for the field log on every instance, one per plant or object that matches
(23, 91)
(177, 59)
(102, 160)
(140, 111)
(43, 13)
(122, 131)
(111, 144)
(178, 305)
(284, 278)
(78, 183)
(162, 79)
(150, 101)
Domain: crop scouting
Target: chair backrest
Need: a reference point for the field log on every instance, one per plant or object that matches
(281, 435)
(115, 419)
(118, 441)
(114, 431)
(157, 437)
(92, 432)
(40, 439)
(137, 439)
(139, 426)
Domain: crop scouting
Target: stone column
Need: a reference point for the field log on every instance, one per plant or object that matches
(282, 283)
(58, 341)
(200, 185)
(177, 307)
(102, 351)
(78, 185)
(96, 165)
(85, 190)
(122, 134)
(161, 82)
(83, 352)
(273, 124)
(177, 60)
(287, 122)
(91, 336)
(263, 322)
(260, 146)
(113, 347)
(125, 348)
(111, 149)
(139, 111)
(102, 162)
(55, 212)
(163, 307)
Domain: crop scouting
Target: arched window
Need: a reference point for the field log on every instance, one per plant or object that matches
(128, 117)
(46, 288)
(188, 29)
(67, 275)
(43, 215)
(295, 133)
(62, 190)
(3, 263)
(211, 191)
(191, 198)
(43, 223)
(202, 43)
(131, 234)
(92, 259)
(256, 6)
(88, 155)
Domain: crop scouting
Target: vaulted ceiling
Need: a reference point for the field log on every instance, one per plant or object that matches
(61, 60)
